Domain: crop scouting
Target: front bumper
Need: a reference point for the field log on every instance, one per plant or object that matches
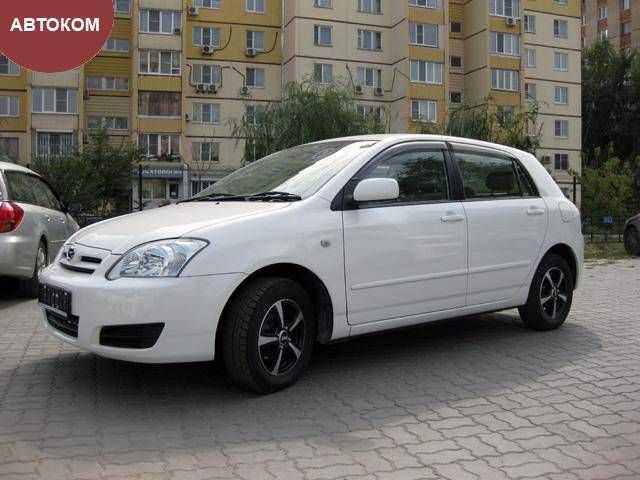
(189, 307)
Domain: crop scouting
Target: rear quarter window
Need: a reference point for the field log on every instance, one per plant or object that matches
(487, 176)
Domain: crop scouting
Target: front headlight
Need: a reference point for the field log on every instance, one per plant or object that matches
(164, 258)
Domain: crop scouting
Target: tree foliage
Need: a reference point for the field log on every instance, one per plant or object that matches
(309, 112)
(97, 178)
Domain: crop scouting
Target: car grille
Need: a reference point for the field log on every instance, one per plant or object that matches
(67, 325)
(85, 259)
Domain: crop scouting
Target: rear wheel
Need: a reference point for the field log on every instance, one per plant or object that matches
(632, 242)
(268, 334)
(29, 288)
(550, 295)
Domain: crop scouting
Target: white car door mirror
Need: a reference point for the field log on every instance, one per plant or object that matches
(376, 189)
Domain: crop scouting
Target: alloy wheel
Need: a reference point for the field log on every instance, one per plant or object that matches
(553, 292)
(281, 337)
(41, 260)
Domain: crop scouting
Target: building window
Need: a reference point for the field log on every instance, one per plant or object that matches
(560, 2)
(255, 6)
(50, 144)
(122, 6)
(561, 129)
(322, 35)
(369, 40)
(198, 186)
(455, 97)
(206, 151)
(120, 45)
(455, 27)
(206, 36)
(369, 77)
(323, 73)
(603, 33)
(560, 28)
(424, 3)
(561, 161)
(530, 23)
(206, 3)
(255, 77)
(159, 104)
(7, 67)
(9, 106)
(530, 57)
(530, 91)
(366, 110)
(160, 62)
(424, 110)
(54, 100)
(504, 114)
(110, 123)
(504, 80)
(255, 40)
(505, 8)
(208, 74)
(160, 21)
(206, 113)
(370, 6)
(253, 114)
(505, 44)
(117, 84)
(602, 12)
(561, 95)
(455, 61)
(154, 189)
(426, 72)
(625, 4)
(9, 149)
(625, 28)
(425, 34)
(159, 145)
(561, 61)
(322, 3)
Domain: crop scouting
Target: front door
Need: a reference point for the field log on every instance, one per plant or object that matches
(407, 256)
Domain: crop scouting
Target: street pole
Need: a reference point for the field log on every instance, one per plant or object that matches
(140, 187)
(575, 188)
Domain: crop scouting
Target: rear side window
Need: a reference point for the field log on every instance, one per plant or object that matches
(421, 175)
(20, 188)
(487, 176)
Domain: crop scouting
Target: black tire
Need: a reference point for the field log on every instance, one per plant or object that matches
(252, 315)
(29, 288)
(632, 242)
(550, 295)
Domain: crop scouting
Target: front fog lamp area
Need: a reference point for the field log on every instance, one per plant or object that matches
(165, 258)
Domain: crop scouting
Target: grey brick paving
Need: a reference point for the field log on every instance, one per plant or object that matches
(477, 398)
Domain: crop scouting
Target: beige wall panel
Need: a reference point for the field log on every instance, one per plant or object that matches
(476, 17)
(161, 4)
(160, 42)
(160, 125)
(476, 52)
(64, 79)
(54, 121)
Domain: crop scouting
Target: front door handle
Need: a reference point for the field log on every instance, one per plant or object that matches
(535, 211)
(452, 218)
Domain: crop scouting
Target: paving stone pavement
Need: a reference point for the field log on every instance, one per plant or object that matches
(476, 398)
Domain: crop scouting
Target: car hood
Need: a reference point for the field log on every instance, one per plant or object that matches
(120, 234)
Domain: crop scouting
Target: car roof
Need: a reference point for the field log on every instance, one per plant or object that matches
(13, 167)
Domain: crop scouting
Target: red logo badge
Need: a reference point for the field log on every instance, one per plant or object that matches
(54, 35)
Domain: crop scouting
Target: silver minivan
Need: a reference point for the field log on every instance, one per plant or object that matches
(34, 224)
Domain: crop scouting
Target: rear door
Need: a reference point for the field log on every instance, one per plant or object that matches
(507, 223)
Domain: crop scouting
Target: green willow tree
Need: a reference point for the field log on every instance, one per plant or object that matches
(309, 112)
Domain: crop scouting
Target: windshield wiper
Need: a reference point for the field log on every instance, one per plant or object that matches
(216, 197)
(274, 196)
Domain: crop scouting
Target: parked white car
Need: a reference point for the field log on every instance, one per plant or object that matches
(318, 243)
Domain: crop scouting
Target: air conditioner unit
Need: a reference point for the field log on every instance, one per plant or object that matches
(510, 21)
(546, 159)
(207, 49)
(244, 90)
(193, 10)
(358, 90)
(251, 52)
(187, 117)
(201, 87)
(213, 88)
(177, 31)
(378, 91)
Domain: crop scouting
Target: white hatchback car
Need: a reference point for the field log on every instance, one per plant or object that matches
(318, 243)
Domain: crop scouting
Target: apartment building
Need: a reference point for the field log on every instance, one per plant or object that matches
(617, 20)
(175, 71)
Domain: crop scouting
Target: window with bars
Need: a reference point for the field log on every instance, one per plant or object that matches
(54, 144)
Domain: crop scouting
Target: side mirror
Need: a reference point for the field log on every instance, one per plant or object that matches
(73, 208)
(376, 189)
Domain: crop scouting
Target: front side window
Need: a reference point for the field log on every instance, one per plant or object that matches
(421, 176)
(255, 77)
(54, 100)
(505, 44)
(206, 36)
(160, 21)
(255, 6)
(505, 8)
(323, 72)
(7, 67)
(159, 104)
(487, 176)
(206, 113)
(424, 111)
(504, 79)
(425, 34)
(426, 72)
(369, 40)
(322, 35)
(370, 6)
(369, 77)
(560, 28)
(160, 62)
(255, 40)
(9, 106)
(159, 145)
(54, 144)
(209, 74)
(560, 61)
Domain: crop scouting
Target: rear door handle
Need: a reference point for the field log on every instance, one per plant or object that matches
(535, 211)
(452, 218)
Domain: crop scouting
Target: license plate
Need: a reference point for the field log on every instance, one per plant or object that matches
(55, 297)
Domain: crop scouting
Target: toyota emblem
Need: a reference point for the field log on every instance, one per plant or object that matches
(70, 253)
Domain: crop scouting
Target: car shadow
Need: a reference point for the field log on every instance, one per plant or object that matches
(419, 370)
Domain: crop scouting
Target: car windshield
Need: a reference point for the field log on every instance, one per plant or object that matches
(299, 171)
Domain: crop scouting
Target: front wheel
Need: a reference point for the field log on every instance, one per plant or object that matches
(268, 334)
(632, 242)
(550, 295)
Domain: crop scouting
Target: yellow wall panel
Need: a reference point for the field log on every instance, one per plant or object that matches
(108, 67)
(159, 83)
(160, 125)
